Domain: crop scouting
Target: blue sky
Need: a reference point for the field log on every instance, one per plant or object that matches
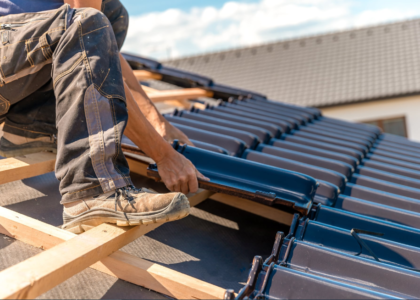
(165, 29)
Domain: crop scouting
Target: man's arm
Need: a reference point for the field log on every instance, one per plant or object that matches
(163, 127)
(177, 172)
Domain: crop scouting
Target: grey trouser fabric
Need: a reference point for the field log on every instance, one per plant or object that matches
(76, 53)
(34, 116)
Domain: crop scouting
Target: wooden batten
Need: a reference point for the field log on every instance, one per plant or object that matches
(146, 75)
(96, 248)
(181, 94)
(83, 251)
(179, 103)
(255, 208)
(148, 89)
(40, 273)
(21, 167)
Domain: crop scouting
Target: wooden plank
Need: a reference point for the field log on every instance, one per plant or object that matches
(138, 164)
(146, 75)
(179, 103)
(17, 168)
(118, 264)
(149, 89)
(177, 98)
(181, 94)
(40, 273)
(256, 208)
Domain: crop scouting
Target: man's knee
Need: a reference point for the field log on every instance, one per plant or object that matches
(93, 20)
(118, 16)
(97, 30)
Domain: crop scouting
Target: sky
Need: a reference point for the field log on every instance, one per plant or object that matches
(166, 29)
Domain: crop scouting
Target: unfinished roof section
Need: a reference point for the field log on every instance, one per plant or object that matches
(343, 67)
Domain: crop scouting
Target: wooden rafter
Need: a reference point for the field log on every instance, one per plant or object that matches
(178, 98)
(119, 264)
(42, 272)
(182, 94)
(17, 168)
(39, 279)
(146, 75)
(255, 208)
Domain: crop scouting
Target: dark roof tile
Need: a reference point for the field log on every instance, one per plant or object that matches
(334, 68)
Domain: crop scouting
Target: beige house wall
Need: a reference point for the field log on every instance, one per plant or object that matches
(381, 109)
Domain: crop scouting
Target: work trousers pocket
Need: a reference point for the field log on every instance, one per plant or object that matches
(27, 41)
(39, 50)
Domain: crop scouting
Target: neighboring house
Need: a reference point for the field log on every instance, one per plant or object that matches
(368, 74)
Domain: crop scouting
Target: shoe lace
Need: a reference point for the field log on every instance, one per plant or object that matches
(126, 194)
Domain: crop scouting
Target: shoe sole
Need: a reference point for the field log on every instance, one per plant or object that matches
(179, 208)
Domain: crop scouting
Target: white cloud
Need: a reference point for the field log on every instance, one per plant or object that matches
(174, 33)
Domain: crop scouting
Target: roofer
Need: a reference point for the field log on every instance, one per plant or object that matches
(61, 75)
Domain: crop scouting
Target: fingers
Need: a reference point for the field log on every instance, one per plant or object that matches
(178, 183)
(184, 187)
(169, 185)
(201, 176)
(178, 187)
(179, 174)
(193, 183)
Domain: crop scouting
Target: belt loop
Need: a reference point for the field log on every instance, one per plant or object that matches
(45, 46)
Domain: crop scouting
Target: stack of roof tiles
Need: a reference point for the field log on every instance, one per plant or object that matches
(356, 192)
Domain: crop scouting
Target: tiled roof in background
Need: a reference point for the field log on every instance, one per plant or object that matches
(336, 68)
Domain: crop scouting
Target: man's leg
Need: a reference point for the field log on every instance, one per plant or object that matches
(91, 118)
(91, 110)
(82, 57)
(117, 15)
(30, 127)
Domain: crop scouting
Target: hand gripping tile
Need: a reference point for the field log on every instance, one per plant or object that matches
(266, 184)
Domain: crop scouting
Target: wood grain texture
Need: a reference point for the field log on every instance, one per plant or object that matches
(148, 89)
(138, 164)
(119, 264)
(146, 75)
(179, 103)
(42, 272)
(21, 167)
(181, 94)
(255, 208)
